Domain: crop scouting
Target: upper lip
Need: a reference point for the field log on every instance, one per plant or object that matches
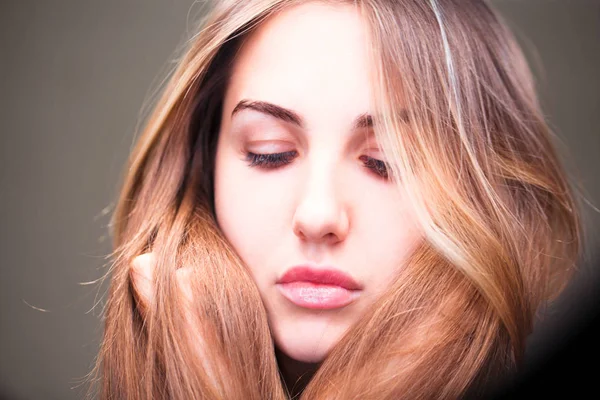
(321, 275)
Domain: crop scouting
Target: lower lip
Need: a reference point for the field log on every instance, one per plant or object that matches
(315, 296)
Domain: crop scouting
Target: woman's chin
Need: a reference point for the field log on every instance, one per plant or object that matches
(307, 342)
(305, 354)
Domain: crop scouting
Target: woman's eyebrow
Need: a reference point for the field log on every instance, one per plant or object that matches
(362, 121)
(270, 109)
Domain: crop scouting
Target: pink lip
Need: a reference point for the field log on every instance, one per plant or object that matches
(318, 288)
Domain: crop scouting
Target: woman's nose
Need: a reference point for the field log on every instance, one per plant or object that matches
(321, 214)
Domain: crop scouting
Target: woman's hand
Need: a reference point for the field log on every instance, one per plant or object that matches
(141, 274)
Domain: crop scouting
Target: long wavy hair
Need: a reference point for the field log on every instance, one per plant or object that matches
(472, 149)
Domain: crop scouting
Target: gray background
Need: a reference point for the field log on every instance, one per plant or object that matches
(75, 76)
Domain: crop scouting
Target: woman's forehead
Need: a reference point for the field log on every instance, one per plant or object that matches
(307, 57)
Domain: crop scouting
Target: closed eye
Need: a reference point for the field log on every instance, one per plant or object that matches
(377, 166)
(270, 161)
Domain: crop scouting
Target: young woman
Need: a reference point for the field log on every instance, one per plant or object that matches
(337, 200)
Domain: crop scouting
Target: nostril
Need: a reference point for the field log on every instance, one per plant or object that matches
(330, 237)
(301, 235)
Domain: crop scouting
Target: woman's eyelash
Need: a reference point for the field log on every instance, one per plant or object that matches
(275, 160)
(378, 166)
(272, 160)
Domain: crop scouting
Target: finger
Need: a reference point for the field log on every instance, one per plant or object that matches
(184, 276)
(141, 274)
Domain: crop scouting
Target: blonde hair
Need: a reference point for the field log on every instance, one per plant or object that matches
(473, 151)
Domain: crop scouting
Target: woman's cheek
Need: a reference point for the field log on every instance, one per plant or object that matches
(252, 203)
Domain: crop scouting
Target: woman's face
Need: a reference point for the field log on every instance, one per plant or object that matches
(300, 86)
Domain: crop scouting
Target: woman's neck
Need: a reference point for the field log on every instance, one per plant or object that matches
(296, 374)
